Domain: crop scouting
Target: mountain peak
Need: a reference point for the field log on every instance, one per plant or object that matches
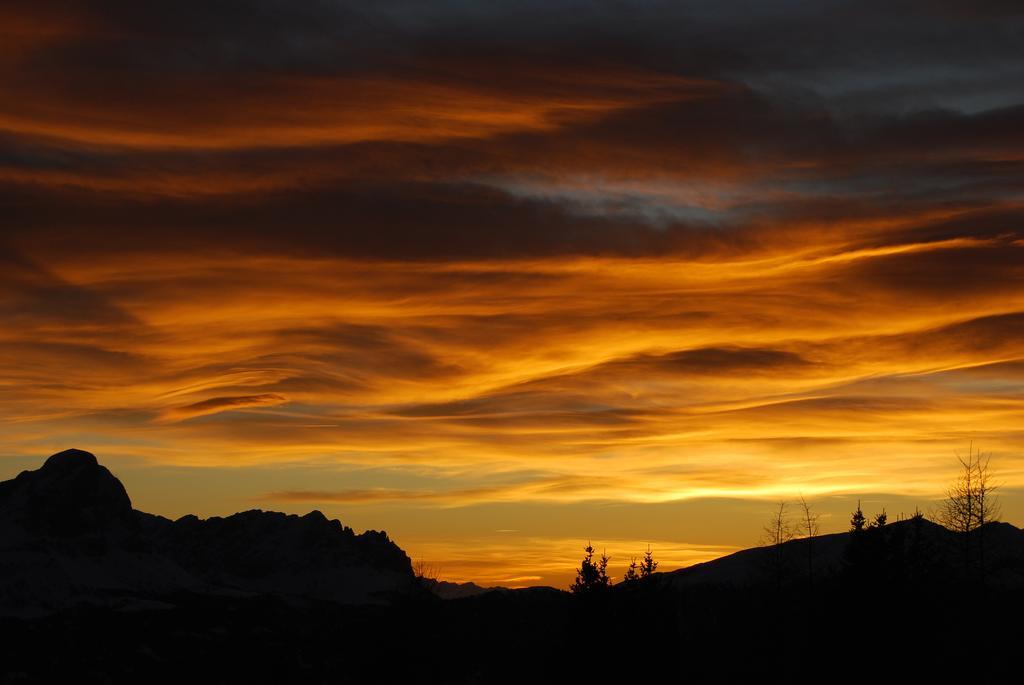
(69, 526)
(70, 460)
(69, 495)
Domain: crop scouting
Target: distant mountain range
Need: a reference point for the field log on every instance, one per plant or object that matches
(448, 590)
(69, 536)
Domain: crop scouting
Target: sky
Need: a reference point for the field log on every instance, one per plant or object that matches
(505, 278)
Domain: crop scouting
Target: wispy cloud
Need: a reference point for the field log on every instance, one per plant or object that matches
(215, 405)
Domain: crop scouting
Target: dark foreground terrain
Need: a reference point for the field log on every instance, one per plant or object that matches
(714, 635)
(142, 603)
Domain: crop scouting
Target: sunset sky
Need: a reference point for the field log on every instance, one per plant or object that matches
(502, 278)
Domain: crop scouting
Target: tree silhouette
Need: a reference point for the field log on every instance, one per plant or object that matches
(648, 565)
(779, 528)
(854, 554)
(970, 503)
(425, 572)
(857, 520)
(809, 527)
(632, 572)
(591, 575)
(602, 571)
(865, 556)
(778, 531)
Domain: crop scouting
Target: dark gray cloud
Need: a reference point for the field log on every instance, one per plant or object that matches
(32, 296)
(801, 113)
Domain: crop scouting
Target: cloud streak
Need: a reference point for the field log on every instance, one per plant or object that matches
(215, 405)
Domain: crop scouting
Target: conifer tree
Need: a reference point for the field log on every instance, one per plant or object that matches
(632, 572)
(602, 570)
(857, 521)
(854, 554)
(648, 565)
(591, 575)
(867, 550)
(586, 574)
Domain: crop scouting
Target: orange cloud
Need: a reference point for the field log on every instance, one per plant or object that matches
(215, 405)
(274, 111)
(645, 380)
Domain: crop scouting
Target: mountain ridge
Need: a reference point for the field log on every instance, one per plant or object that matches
(69, 536)
(907, 542)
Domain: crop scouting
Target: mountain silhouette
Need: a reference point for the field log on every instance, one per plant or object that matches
(70, 496)
(69, 536)
(448, 590)
(266, 551)
(914, 545)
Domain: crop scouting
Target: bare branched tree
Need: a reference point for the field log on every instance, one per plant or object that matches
(779, 528)
(986, 500)
(809, 528)
(424, 571)
(777, 531)
(970, 503)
